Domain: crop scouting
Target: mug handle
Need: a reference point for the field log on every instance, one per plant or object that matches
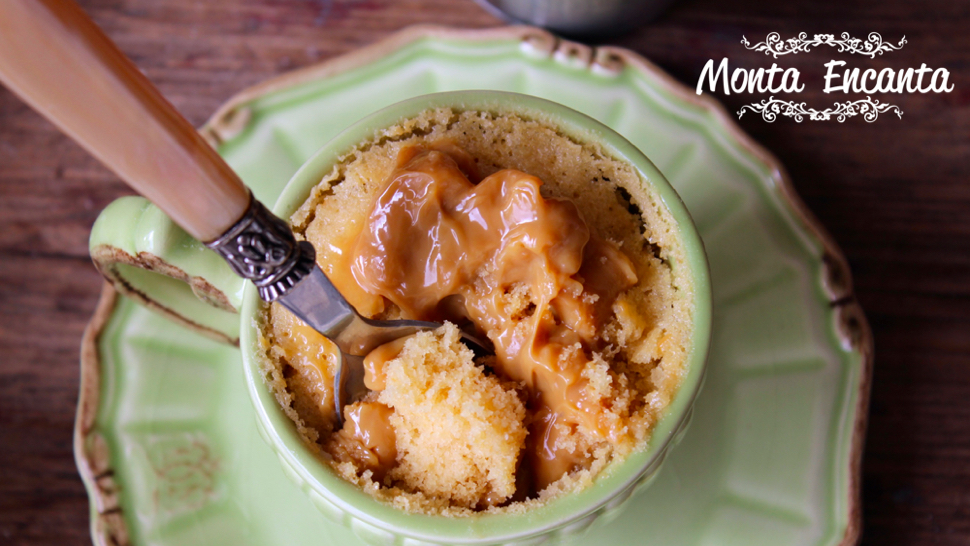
(150, 259)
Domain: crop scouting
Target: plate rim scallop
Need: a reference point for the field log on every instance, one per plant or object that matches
(90, 448)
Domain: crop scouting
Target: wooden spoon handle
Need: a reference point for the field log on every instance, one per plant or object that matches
(58, 61)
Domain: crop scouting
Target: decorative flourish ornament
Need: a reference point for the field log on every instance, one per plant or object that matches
(869, 110)
(775, 46)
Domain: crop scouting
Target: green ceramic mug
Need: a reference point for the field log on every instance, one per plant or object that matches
(147, 257)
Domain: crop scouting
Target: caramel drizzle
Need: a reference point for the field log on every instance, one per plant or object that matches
(524, 269)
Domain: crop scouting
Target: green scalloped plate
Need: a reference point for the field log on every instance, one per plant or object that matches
(166, 440)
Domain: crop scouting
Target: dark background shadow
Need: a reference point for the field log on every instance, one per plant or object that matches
(895, 195)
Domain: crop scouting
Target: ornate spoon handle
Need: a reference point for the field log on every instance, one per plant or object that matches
(58, 61)
(61, 64)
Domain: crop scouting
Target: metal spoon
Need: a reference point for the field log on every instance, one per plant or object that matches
(318, 303)
(58, 61)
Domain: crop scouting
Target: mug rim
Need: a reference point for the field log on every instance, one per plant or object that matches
(343, 499)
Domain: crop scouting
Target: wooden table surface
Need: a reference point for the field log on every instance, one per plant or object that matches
(895, 194)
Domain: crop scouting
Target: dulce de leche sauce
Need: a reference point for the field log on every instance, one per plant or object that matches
(443, 245)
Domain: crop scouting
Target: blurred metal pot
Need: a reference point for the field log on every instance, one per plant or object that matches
(580, 18)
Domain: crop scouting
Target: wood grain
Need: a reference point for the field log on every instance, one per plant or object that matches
(895, 195)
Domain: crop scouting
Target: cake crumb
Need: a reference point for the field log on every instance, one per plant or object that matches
(459, 431)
